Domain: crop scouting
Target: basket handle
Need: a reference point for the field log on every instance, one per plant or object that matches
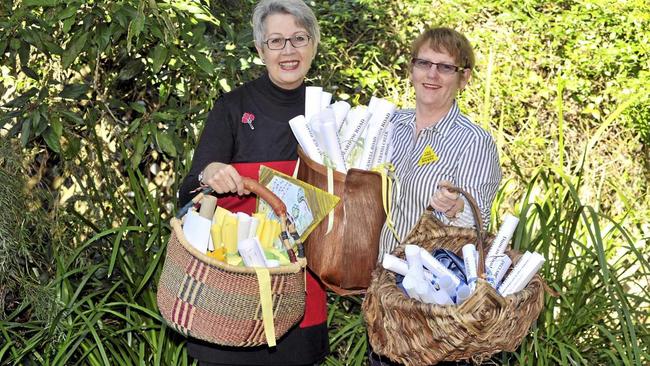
(480, 270)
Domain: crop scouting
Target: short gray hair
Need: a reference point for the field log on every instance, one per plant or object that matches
(303, 14)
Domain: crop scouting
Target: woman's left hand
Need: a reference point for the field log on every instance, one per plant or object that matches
(447, 202)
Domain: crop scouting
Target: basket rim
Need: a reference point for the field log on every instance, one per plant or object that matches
(177, 229)
(322, 169)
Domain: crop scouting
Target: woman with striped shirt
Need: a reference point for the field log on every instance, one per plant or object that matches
(435, 145)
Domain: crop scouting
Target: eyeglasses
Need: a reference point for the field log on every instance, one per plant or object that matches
(278, 43)
(444, 69)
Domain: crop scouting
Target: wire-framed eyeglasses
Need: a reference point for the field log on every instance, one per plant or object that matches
(445, 69)
(278, 43)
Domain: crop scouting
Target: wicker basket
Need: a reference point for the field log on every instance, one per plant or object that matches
(415, 333)
(204, 298)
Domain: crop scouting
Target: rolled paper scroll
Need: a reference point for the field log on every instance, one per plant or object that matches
(400, 266)
(305, 138)
(412, 253)
(325, 99)
(446, 284)
(341, 110)
(501, 240)
(251, 253)
(498, 269)
(462, 293)
(378, 122)
(410, 283)
(437, 268)
(353, 128)
(515, 273)
(243, 226)
(529, 269)
(197, 230)
(312, 101)
(470, 257)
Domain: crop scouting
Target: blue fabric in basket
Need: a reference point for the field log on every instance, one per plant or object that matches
(448, 259)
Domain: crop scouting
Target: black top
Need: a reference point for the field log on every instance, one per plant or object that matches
(225, 138)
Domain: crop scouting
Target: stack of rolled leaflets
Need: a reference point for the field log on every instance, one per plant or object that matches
(343, 137)
(427, 280)
(237, 239)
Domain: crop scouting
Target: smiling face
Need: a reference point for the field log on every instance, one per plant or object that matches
(433, 90)
(287, 67)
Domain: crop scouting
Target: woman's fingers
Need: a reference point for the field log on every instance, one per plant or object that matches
(224, 178)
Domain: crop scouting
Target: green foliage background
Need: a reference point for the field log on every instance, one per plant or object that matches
(102, 102)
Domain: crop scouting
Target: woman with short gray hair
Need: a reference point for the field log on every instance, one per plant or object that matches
(248, 127)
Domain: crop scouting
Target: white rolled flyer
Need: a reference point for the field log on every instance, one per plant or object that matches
(529, 269)
(501, 240)
(378, 122)
(341, 110)
(305, 138)
(197, 230)
(515, 273)
(312, 101)
(470, 257)
(400, 266)
(437, 268)
(328, 141)
(353, 128)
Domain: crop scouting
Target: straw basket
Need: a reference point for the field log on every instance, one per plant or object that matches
(204, 298)
(415, 333)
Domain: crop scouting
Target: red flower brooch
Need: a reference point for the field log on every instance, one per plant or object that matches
(248, 118)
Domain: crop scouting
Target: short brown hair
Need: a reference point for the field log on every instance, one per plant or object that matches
(446, 40)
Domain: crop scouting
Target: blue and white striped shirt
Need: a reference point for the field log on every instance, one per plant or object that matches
(467, 157)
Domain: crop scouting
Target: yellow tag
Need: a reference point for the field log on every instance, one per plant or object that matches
(428, 156)
(266, 300)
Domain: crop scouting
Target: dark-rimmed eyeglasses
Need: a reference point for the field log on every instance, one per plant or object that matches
(445, 69)
(278, 43)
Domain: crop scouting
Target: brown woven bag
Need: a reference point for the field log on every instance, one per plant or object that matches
(204, 298)
(415, 333)
(344, 258)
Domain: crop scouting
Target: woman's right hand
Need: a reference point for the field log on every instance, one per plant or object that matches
(223, 178)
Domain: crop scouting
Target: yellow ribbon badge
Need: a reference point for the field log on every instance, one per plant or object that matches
(428, 156)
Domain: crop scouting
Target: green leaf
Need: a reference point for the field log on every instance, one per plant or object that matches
(73, 91)
(25, 132)
(29, 72)
(73, 49)
(40, 2)
(135, 28)
(166, 143)
(103, 36)
(36, 119)
(72, 148)
(158, 57)
(20, 101)
(204, 63)
(72, 116)
(162, 116)
(131, 69)
(55, 124)
(140, 144)
(52, 140)
(69, 11)
(24, 52)
(139, 107)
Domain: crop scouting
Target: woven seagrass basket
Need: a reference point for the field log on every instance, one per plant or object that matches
(204, 298)
(415, 333)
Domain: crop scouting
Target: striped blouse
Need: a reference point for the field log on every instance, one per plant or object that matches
(454, 149)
